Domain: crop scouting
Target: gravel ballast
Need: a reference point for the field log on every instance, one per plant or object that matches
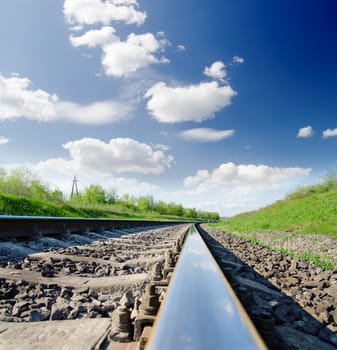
(292, 303)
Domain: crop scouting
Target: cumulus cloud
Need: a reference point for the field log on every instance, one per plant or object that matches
(96, 37)
(3, 140)
(18, 100)
(206, 134)
(79, 12)
(329, 133)
(307, 131)
(121, 58)
(119, 155)
(250, 175)
(188, 103)
(238, 59)
(216, 70)
(232, 188)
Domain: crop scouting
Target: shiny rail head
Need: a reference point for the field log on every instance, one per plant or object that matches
(201, 310)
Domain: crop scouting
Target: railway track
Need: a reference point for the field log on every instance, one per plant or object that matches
(67, 277)
(98, 284)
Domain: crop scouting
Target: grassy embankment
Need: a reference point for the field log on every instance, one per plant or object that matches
(21, 206)
(22, 193)
(304, 224)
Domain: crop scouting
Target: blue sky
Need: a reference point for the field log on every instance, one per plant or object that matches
(223, 106)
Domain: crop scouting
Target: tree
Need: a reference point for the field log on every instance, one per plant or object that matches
(38, 190)
(128, 201)
(57, 196)
(111, 196)
(94, 194)
(161, 207)
(145, 203)
(19, 182)
(190, 213)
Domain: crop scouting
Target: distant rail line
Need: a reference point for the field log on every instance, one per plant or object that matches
(34, 227)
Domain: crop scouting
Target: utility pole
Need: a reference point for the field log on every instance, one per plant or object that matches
(74, 189)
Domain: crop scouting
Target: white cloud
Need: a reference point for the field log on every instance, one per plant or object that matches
(206, 134)
(216, 70)
(121, 58)
(330, 133)
(119, 155)
(230, 188)
(245, 176)
(161, 147)
(76, 28)
(3, 140)
(101, 112)
(188, 103)
(307, 131)
(17, 100)
(193, 181)
(181, 48)
(238, 59)
(100, 11)
(96, 37)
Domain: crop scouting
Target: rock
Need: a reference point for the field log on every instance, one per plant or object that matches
(66, 293)
(9, 293)
(20, 307)
(47, 270)
(333, 315)
(92, 314)
(296, 340)
(83, 290)
(60, 310)
(93, 293)
(39, 315)
(138, 270)
(127, 299)
(103, 298)
(56, 314)
(108, 308)
(310, 284)
(290, 282)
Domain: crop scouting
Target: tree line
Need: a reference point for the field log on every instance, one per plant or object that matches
(22, 182)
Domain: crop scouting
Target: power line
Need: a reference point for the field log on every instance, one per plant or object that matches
(74, 189)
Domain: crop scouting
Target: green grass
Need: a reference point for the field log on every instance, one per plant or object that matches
(21, 206)
(310, 210)
(315, 213)
(325, 262)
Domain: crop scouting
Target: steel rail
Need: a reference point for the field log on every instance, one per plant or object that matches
(200, 310)
(33, 226)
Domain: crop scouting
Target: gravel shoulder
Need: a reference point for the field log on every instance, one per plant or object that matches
(322, 246)
(292, 303)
